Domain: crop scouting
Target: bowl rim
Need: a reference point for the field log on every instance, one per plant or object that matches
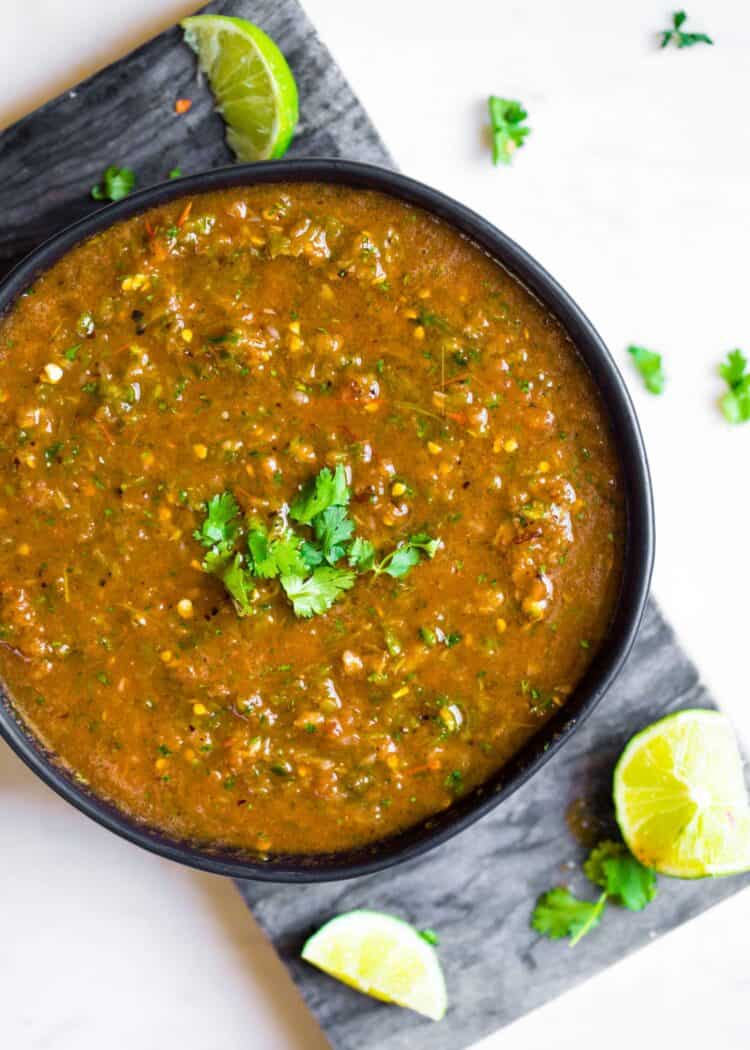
(638, 554)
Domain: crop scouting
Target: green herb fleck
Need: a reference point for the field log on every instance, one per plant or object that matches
(681, 38)
(508, 131)
(455, 781)
(735, 404)
(116, 183)
(649, 365)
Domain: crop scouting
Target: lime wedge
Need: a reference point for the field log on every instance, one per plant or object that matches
(680, 797)
(381, 956)
(253, 86)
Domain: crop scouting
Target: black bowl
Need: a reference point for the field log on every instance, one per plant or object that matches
(638, 554)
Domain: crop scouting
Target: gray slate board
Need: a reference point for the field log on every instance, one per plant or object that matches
(478, 889)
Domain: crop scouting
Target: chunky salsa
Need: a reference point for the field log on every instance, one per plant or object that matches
(173, 394)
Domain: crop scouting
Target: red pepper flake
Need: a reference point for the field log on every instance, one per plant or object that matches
(149, 229)
(185, 214)
(182, 105)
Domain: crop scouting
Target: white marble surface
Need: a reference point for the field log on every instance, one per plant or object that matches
(633, 192)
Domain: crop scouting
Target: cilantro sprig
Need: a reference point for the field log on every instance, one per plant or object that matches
(115, 184)
(623, 880)
(735, 404)
(649, 364)
(407, 555)
(508, 129)
(560, 914)
(680, 38)
(308, 567)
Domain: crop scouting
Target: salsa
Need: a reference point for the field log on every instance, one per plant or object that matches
(242, 345)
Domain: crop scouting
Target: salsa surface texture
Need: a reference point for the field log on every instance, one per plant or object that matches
(240, 342)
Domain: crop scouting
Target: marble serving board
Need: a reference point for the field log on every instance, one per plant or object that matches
(477, 890)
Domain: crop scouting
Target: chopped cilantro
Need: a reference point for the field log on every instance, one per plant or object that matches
(52, 452)
(429, 319)
(116, 183)
(508, 131)
(428, 636)
(680, 38)
(175, 173)
(455, 781)
(72, 352)
(649, 365)
(735, 404)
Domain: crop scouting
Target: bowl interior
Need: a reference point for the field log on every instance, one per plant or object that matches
(637, 554)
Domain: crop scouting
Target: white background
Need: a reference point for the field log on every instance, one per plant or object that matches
(633, 191)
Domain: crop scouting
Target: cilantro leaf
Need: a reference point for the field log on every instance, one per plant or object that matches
(311, 555)
(735, 404)
(287, 555)
(324, 491)
(238, 582)
(648, 364)
(278, 556)
(332, 529)
(613, 867)
(257, 544)
(219, 525)
(425, 543)
(734, 369)
(317, 593)
(401, 560)
(361, 554)
(681, 38)
(559, 913)
(508, 133)
(116, 183)
(218, 558)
